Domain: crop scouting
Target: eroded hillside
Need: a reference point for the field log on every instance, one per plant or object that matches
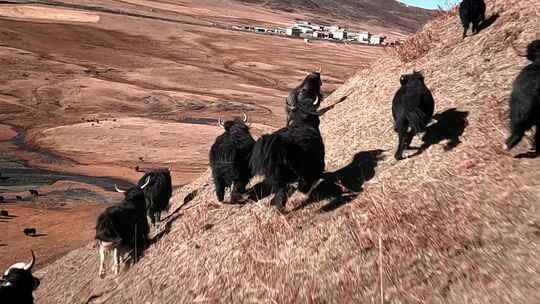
(457, 223)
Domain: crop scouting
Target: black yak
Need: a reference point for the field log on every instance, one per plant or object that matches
(229, 158)
(19, 198)
(294, 153)
(157, 193)
(472, 11)
(412, 109)
(33, 192)
(18, 283)
(307, 95)
(4, 213)
(123, 227)
(525, 100)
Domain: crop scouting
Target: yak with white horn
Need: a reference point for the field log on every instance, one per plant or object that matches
(157, 193)
(229, 158)
(123, 228)
(294, 153)
(17, 284)
(307, 95)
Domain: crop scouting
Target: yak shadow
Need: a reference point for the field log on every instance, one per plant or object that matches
(37, 235)
(165, 230)
(488, 22)
(345, 184)
(450, 126)
(262, 190)
(3, 245)
(528, 155)
(8, 217)
(191, 196)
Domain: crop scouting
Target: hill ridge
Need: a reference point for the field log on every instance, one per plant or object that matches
(459, 222)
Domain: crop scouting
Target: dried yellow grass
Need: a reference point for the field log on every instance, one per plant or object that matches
(458, 225)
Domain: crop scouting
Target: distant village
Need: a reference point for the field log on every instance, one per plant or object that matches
(307, 30)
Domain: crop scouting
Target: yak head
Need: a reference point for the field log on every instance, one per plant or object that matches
(312, 82)
(533, 51)
(135, 194)
(304, 117)
(19, 277)
(411, 79)
(235, 126)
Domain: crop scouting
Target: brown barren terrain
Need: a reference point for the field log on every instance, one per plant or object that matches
(96, 88)
(456, 222)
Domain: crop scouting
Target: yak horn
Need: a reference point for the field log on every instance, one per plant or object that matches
(146, 183)
(118, 190)
(319, 69)
(220, 122)
(32, 262)
(245, 117)
(316, 101)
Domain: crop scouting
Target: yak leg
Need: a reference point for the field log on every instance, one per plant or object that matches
(305, 185)
(116, 261)
(151, 214)
(465, 29)
(476, 27)
(410, 137)
(515, 138)
(220, 188)
(238, 189)
(402, 138)
(280, 198)
(101, 260)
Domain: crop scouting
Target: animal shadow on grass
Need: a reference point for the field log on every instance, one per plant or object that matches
(488, 22)
(262, 190)
(345, 184)
(450, 126)
(37, 235)
(529, 154)
(165, 230)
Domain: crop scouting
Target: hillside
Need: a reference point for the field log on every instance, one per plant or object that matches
(388, 13)
(458, 223)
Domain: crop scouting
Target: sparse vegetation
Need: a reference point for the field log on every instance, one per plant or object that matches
(449, 225)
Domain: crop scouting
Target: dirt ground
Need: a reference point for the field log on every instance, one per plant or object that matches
(97, 92)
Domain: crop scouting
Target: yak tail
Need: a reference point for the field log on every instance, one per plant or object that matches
(418, 120)
(268, 154)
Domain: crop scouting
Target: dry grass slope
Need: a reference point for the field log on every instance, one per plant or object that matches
(458, 223)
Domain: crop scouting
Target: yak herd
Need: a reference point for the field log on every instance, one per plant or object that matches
(294, 153)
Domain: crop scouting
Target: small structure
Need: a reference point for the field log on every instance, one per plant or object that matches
(339, 35)
(376, 40)
(364, 37)
(260, 30)
(293, 31)
(321, 35)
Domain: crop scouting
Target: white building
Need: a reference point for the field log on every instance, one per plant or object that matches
(340, 34)
(376, 39)
(364, 37)
(293, 31)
